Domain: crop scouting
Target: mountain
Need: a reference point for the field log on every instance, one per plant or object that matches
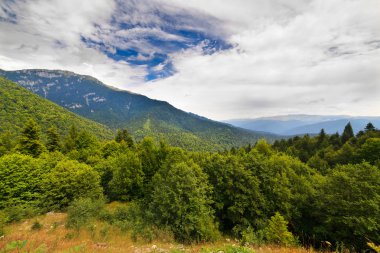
(142, 116)
(304, 124)
(17, 105)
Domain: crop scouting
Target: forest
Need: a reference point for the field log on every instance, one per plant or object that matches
(307, 191)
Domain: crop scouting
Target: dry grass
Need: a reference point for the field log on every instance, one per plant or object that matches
(55, 237)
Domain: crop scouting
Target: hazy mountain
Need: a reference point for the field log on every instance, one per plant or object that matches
(17, 105)
(143, 116)
(302, 124)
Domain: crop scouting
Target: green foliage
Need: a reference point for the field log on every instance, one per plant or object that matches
(83, 211)
(349, 205)
(124, 136)
(70, 180)
(179, 200)
(127, 176)
(20, 183)
(348, 133)
(277, 231)
(53, 140)
(370, 151)
(18, 105)
(3, 221)
(36, 226)
(228, 249)
(29, 142)
(18, 245)
(237, 197)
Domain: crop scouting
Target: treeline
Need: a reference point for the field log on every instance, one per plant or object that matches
(305, 190)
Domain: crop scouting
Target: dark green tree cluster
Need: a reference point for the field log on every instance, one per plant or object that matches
(302, 190)
(323, 151)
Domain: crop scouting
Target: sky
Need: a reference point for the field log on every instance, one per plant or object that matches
(220, 59)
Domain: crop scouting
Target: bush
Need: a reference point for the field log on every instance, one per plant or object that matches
(277, 231)
(36, 226)
(17, 213)
(3, 221)
(229, 249)
(83, 211)
(70, 180)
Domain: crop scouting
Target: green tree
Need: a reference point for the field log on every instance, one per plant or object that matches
(348, 204)
(127, 177)
(370, 150)
(123, 135)
(53, 140)
(277, 231)
(369, 127)
(71, 138)
(70, 180)
(179, 200)
(21, 177)
(237, 198)
(348, 133)
(29, 142)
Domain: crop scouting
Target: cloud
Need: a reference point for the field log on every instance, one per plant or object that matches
(315, 57)
(220, 59)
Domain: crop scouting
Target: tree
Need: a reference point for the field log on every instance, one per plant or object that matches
(21, 177)
(348, 205)
(71, 137)
(370, 150)
(123, 135)
(29, 142)
(321, 136)
(179, 199)
(53, 140)
(70, 180)
(237, 198)
(348, 133)
(277, 231)
(127, 177)
(369, 127)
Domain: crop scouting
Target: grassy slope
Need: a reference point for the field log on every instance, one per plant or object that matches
(17, 105)
(54, 237)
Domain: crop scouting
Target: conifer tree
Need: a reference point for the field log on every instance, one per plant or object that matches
(29, 142)
(71, 138)
(369, 127)
(53, 139)
(123, 135)
(348, 133)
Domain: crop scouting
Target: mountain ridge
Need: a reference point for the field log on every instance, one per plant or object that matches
(90, 98)
(299, 124)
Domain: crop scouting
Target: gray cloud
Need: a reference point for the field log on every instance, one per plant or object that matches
(301, 56)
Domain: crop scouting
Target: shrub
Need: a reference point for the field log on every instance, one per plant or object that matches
(36, 226)
(70, 180)
(83, 211)
(277, 231)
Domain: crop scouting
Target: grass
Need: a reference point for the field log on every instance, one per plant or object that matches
(54, 236)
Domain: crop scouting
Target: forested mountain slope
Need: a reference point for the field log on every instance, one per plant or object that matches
(141, 115)
(18, 105)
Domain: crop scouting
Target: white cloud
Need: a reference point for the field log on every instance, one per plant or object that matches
(299, 56)
(47, 34)
(316, 57)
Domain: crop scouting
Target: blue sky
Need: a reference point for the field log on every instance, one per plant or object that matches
(220, 59)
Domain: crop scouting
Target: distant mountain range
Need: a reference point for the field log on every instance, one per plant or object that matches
(142, 116)
(18, 105)
(304, 124)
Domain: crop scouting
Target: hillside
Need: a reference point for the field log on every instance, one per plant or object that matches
(141, 115)
(17, 105)
(304, 124)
